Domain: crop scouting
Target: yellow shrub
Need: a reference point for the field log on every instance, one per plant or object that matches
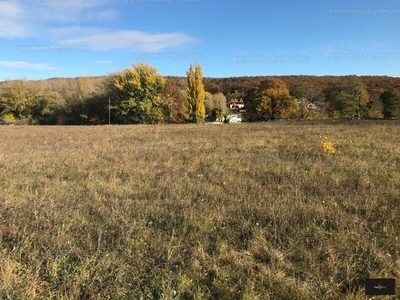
(327, 145)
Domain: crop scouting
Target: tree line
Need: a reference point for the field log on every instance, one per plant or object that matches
(137, 95)
(140, 95)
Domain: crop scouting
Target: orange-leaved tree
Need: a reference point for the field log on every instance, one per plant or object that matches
(271, 100)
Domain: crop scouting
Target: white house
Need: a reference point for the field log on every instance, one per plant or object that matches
(234, 118)
(236, 104)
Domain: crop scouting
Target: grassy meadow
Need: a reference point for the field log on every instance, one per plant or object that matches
(231, 211)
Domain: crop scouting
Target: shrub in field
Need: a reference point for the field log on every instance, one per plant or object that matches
(327, 145)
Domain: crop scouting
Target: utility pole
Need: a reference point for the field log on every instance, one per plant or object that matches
(357, 96)
(109, 111)
(301, 105)
(301, 101)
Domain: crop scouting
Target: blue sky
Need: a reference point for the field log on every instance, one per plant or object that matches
(68, 38)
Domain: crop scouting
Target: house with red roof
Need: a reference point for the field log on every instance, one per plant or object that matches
(236, 104)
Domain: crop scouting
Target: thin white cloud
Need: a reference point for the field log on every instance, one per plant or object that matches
(23, 19)
(72, 16)
(101, 62)
(72, 32)
(130, 40)
(26, 65)
(9, 10)
(71, 11)
(12, 21)
(73, 4)
(20, 19)
(107, 14)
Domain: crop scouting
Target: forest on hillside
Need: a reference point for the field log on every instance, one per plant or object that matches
(87, 100)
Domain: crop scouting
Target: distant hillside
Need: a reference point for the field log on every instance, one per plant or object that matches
(85, 100)
(374, 84)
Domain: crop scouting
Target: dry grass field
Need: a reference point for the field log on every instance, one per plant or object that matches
(232, 211)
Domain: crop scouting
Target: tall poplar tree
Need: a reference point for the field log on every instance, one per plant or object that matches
(195, 94)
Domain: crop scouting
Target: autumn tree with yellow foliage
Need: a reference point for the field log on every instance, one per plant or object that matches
(271, 100)
(15, 103)
(139, 94)
(195, 94)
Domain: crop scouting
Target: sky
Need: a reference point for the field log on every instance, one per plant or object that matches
(42, 39)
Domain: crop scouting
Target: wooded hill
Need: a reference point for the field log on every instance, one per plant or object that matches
(85, 100)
